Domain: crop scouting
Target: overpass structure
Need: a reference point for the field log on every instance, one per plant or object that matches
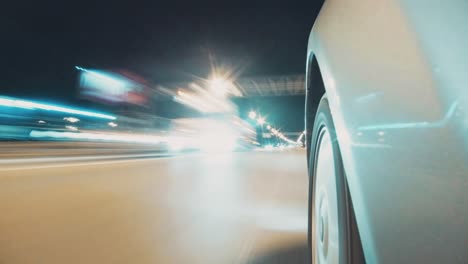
(272, 86)
(283, 85)
(278, 97)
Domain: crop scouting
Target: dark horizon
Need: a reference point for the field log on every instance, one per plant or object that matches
(43, 41)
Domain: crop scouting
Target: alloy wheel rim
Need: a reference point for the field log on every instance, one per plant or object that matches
(325, 235)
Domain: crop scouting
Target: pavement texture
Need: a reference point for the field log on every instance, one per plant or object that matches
(242, 207)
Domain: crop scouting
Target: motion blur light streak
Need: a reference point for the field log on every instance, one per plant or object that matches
(193, 103)
(128, 138)
(72, 128)
(111, 82)
(286, 219)
(17, 103)
(176, 144)
(207, 134)
(71, 119)
(120, 87)
(221, 139)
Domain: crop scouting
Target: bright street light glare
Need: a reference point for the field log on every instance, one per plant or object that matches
(71, 119)
(223, 86)
(268, 127)
(219, 86)
(112, 124)
(261, 121)
(252, 115)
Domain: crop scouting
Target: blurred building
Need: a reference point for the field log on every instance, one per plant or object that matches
(129, 96)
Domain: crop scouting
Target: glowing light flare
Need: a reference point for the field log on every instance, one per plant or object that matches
(221, 87)
(72, 128)
(261, 121)
(193, 104)
(71, 119)
(252, 115)
(112, 124)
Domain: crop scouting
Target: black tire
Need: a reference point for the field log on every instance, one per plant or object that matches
(350, 248)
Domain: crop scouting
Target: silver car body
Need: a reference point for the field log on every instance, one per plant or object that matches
(396, 77)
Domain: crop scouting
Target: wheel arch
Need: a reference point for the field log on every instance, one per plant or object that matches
(371, 82)
(320, 82)
(315, 89)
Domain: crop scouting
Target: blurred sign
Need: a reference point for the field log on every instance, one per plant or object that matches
(112, 87)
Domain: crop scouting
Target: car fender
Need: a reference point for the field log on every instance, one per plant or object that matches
(400, 121)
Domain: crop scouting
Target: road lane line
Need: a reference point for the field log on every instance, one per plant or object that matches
(71, 159)
(89, 162)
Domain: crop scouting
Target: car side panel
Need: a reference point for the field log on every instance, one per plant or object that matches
(399, 107)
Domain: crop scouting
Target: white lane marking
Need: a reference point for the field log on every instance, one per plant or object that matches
(85, 163)
(71, 159)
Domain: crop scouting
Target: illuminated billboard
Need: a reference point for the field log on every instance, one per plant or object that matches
(113, 87)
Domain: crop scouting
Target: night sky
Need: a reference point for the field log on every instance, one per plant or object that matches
(163, 41)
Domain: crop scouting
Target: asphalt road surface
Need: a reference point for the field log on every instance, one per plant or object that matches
(244, 207)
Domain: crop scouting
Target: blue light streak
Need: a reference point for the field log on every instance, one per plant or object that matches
(23, 104)
(108, 79)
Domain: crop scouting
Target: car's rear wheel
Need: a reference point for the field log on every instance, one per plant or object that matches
(333, 236)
